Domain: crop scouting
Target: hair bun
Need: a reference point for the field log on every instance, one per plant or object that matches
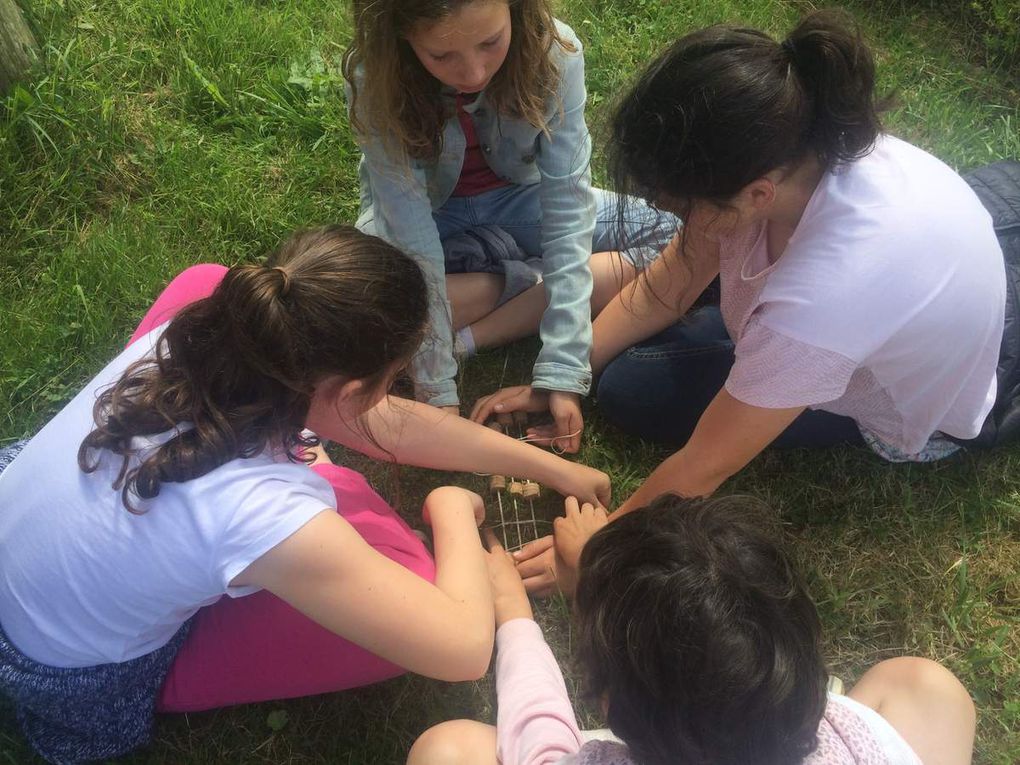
(284, 283)
(789, 48)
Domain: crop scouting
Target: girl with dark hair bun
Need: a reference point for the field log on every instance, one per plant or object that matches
(861, 285)
(181, 473)
(697, 638)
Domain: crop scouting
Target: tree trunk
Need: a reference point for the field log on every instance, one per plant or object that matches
(18, 48)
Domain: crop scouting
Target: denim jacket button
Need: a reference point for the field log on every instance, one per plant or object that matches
(528, 158)
(487, 149)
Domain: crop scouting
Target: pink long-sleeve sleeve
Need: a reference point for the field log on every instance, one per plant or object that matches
(535, 723)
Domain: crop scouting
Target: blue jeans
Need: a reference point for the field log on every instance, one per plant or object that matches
(516, 210)
(659, 388)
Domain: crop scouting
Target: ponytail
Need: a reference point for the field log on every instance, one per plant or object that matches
(234, 373)
(725, 105)
(837, 72)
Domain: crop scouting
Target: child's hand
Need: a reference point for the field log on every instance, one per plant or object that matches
(518, 398)
(508, 596)
(585, 483)
(564, 435)
(541, 570)
(575, 528)
(450, 498)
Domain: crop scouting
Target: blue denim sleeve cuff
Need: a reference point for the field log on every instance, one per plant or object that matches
(553, 376)
(437, 394)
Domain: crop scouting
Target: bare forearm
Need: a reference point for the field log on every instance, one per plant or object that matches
(652, 301)
(728, 436)
(461, 575)
(413, 433)
(629, 318)
(677, 474)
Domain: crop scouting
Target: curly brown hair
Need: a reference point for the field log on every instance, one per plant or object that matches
(403, 105)
(234, 373)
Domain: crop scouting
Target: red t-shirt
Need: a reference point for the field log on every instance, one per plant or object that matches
(475, 176)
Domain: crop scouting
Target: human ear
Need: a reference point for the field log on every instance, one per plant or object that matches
(348, 391)
(757, 196)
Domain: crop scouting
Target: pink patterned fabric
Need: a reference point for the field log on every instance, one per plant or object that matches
(843, 737)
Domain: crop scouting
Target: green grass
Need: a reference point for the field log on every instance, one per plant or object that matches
(160, 133)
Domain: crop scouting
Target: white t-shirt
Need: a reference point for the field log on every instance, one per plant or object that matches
(85, 582)
(887, 305)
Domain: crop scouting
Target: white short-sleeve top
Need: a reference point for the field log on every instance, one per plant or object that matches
(85, 582)
(887, 305)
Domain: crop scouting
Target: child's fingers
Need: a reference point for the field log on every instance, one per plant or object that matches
(492, 544)
(571, 507)
(534, 549)
(538, 566)
(506, 400)
(541, 586)
(480, 411)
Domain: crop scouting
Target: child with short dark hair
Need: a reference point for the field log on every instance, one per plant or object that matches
(696, 634)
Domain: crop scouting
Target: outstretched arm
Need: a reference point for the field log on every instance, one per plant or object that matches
(413, 433)
(535, 722)
(729, 434)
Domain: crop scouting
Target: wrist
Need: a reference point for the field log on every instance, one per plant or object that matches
(510, 607)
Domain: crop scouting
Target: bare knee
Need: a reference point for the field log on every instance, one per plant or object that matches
(926, 704)
(455, 742)
(926, 679)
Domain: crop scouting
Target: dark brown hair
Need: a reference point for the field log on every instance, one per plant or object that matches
(399, 101)
(234, 373)
(725, 105)
(692, 620)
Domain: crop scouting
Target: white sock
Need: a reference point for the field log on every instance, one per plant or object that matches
(466, 341)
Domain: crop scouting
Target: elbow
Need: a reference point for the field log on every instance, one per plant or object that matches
(471, 661)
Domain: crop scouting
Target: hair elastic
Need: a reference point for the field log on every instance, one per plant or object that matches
(285, 288)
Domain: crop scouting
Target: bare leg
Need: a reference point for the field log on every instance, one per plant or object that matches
(456, 742)
(521, 316)
(472, 296)
(926, 704)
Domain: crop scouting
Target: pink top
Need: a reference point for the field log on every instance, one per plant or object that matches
(886, 306)
(475, 174)
(535, 723)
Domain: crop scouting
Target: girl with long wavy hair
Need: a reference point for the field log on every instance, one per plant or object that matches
(470, 117)
(180, 474)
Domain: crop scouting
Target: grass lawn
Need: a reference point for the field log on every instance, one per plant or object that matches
(162, 133)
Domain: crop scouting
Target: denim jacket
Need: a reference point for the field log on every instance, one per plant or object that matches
(397, 202)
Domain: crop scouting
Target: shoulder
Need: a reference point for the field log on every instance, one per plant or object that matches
(567, 55)
(567, 34)
(904, 190)
(262, 486)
